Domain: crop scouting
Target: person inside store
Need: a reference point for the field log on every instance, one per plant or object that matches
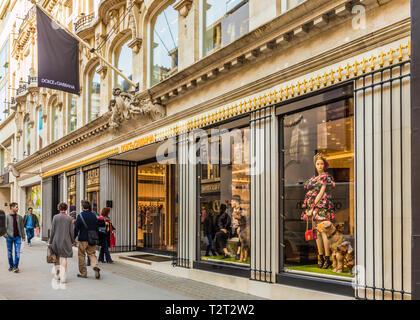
(224, 224)
(30, 221)
(209, 231)
(318, 206)
(61, 241)
(106, 230)
(239, 228)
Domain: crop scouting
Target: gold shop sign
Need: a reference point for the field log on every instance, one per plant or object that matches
(93, 177)
(138, 143)
(72, 182)
(210, 187)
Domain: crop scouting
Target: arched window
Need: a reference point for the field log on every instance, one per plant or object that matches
(54, 122)
(223, 22)
(71, 113)
(164, 45)
(28, 136)
(124, 62)
(40, 129)
(94, 95)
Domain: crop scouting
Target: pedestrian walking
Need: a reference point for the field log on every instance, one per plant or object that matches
(86, 222)
(62, 241)
(14, 235)
(105, 231)
(97, 216)
(30, 221)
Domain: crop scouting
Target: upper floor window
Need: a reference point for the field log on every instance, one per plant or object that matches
(28, 137)
(40, 129)
(124, 62)
(54, 122)
(6, 157)
(93, 96)
(71, 112)
(224, 21)
(164, 45)
(289, 4)
(4, 104)
(4, 61)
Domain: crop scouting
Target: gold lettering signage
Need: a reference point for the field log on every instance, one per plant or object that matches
(93, 177)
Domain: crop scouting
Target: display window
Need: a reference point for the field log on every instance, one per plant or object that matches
(318, 190)
(71, 192)
(92, 184)
(33, 200)
(157, 212)
(224, 210)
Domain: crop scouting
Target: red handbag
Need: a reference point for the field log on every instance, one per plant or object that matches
(310, 234)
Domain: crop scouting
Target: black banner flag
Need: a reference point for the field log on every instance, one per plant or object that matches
(58, 56)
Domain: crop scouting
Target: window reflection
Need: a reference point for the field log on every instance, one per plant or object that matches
(225, 199)
(40, 129)
(164, 45)
(72, 112)
(54, 121)
(124, 63)
(319, 189)
(94, 95)
(223, 22)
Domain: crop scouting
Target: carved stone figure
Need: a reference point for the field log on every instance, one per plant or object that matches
(126, 106)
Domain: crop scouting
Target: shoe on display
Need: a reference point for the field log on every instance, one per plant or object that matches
(97, 274)
(80, 276)
(238, 256)
(227, 256)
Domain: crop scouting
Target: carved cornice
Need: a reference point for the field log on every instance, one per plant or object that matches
(105, 6)
(183, 7)
(135, 45)
(81, 135)
(299, 24)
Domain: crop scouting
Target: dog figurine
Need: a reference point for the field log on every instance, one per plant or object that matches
(348, 252)
(335, 239)
(244, 237)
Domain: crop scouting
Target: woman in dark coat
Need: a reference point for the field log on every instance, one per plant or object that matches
(61, 241)
(105, 224)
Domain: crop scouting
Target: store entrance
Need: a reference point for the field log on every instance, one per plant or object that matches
(157, 214)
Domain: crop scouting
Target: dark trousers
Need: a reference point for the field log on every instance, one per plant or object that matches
(210, 245)
(221, 240)
(104, 252)
(30, 233)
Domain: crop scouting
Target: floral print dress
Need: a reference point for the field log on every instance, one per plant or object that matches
(324, 209)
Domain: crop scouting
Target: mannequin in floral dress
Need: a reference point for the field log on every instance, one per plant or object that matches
(319, 206)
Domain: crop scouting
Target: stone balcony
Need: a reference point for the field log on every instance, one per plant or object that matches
(85, 24)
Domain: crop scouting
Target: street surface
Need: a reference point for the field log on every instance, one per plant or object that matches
(118, 281)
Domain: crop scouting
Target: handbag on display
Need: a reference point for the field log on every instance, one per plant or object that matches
(310, 234)
(51, 256)
(93, 238)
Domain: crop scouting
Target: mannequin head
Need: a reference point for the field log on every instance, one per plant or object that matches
(320, 163)
(236, 201)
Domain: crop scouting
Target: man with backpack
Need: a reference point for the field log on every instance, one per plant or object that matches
(86, 230)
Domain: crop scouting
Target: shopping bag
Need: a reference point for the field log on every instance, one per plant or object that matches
(51, 257)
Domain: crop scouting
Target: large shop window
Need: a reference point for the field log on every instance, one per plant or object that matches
(318, 190)
(92, 188)
(157, 212)
(164, 45)
(224, 208)
(224, 21)
(33, 200)
(71, 192)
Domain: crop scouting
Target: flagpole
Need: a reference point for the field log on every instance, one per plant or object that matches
(86, 44)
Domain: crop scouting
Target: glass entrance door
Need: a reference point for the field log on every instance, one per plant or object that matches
(156, 207)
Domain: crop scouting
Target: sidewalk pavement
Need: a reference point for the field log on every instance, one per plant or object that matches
(118, 281)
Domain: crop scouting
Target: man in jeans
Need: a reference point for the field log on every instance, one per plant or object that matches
(30, 221)
(86, 219)
(14, 235)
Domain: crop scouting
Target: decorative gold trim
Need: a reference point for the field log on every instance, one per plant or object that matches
(281, 94)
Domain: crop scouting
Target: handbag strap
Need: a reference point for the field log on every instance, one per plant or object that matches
(83, 220)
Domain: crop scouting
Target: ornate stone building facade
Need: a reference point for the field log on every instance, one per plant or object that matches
(286, 79)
